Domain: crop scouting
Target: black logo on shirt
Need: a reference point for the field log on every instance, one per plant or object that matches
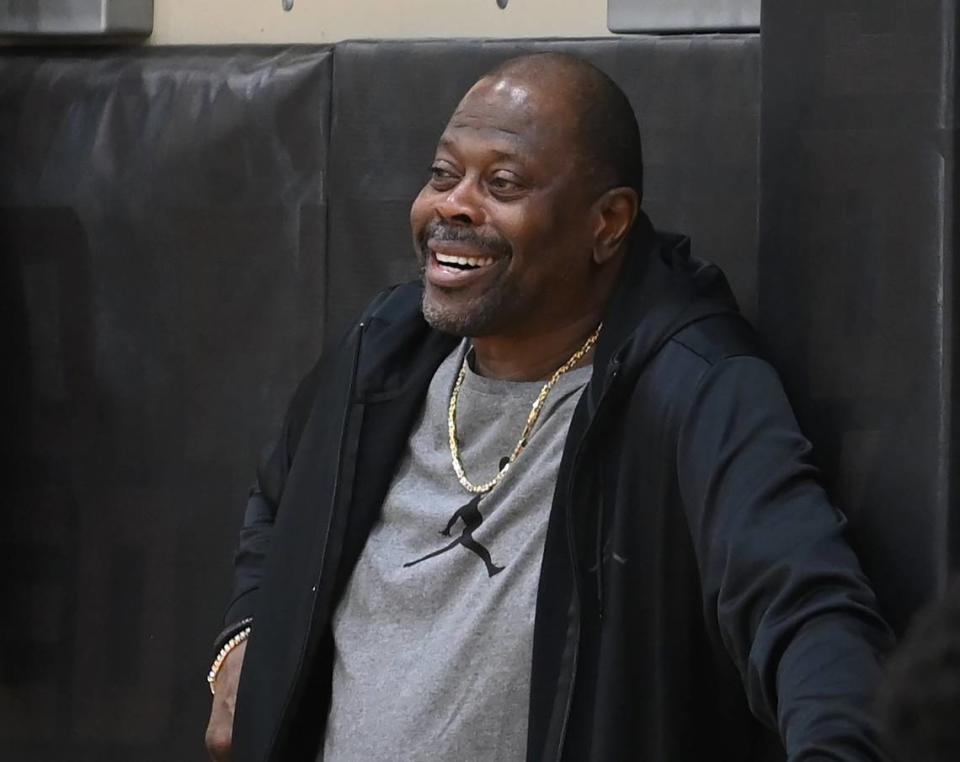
(471, 517)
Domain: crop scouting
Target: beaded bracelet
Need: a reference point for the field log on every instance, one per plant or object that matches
(235, 641)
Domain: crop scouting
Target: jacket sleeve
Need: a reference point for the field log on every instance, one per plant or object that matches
(261, 509)
(264, 499)
(782, 589)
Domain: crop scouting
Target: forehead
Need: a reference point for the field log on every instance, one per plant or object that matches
(514, 115)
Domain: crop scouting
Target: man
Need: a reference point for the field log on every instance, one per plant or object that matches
(642, 563)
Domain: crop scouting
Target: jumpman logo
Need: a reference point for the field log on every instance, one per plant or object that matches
(471, 517)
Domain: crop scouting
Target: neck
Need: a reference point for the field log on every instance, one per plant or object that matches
(536, 356)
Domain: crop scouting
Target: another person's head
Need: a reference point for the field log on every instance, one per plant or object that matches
(535, 186)
(920, 703)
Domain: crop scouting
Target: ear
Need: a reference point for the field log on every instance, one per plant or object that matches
(614, 214)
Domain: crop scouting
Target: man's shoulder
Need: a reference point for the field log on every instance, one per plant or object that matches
(670, 381)
(688, 365)
(718, 337)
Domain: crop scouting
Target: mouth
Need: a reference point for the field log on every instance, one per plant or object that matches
(462, 263)
(456, 266)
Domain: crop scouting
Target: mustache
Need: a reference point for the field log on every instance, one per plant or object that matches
(492, 244)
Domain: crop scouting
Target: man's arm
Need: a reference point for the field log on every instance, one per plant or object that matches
(782, 588)
(261, 510)
(251, 553)
(255, 539)
(265, 496)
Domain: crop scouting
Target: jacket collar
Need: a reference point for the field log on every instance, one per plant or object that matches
(662, 289)
(400, 349)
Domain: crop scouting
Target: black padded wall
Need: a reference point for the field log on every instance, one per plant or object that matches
(698, 101)
(856, 273)
(162, 223)
(166, 282)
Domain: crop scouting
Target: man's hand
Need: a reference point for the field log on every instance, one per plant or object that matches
(220, 728)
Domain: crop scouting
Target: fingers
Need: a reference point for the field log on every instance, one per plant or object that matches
(219, 735)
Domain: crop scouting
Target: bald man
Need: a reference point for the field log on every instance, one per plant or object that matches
(643, 564)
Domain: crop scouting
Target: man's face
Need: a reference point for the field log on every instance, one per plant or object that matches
(501, 228)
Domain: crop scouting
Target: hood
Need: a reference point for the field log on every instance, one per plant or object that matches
(662, 289)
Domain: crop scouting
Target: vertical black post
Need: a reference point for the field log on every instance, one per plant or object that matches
(857, 244)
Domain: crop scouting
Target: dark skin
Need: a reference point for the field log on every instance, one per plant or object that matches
(509, 183)
(508, 167)
(219, 735)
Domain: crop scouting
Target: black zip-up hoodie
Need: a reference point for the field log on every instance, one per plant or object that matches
(697, 596)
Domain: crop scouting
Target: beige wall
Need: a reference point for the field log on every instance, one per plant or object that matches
(224, 21)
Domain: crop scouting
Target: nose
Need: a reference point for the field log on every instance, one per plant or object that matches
(462, 204)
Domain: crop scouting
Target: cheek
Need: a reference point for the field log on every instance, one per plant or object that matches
(543, 220)
(555, 254)
(542, 235)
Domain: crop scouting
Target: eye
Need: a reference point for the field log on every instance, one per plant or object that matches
(505, 185)
(441, 177)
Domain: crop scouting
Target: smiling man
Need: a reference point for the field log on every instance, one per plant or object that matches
(548, 504)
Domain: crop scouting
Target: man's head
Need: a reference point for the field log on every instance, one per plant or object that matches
(535, 185)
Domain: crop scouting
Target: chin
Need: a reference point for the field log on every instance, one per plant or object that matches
(468, 321)
(446, 321)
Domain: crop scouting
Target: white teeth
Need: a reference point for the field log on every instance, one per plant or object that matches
(443, 259)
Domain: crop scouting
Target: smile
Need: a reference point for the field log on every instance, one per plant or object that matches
(454, 267)
(463, 263)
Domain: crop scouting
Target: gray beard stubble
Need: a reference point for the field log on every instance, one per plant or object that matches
(479, 317)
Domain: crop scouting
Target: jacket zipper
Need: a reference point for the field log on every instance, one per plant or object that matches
(344, 426)
(576, 605)
(612, 371)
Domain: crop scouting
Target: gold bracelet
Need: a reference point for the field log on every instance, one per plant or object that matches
(235, 641)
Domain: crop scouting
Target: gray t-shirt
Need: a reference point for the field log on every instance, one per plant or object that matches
(434, 635)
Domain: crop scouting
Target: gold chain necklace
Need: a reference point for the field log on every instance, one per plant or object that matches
(535, 410)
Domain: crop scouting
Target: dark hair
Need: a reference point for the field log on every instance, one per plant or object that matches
(919, 705)
(607, 127)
